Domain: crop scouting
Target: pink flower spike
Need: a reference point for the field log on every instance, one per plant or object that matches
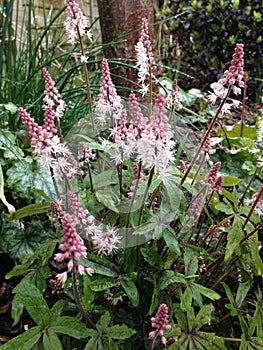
(109, 106)
(75, 22)
(160, 322)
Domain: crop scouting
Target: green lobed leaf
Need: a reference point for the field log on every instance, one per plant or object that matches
(57, 309)
(17, 270)
(186, 299)
(24, 341)
(70, 326)
(51, 341)
(120, 332)
(234, 237)
(130, 289)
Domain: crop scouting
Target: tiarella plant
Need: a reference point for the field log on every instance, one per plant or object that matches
(143, 223)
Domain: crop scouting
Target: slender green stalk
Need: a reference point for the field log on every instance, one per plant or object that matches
(145, 195)
(80, 306)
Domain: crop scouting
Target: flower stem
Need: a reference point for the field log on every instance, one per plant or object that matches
(206, 135)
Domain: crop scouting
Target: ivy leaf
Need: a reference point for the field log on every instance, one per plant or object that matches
(120, 332)
(130, 289)
(234, 237)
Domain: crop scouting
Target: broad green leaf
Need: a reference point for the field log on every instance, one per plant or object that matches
(99, 268)
(172, 242)
(180, 317)
(105, 178)
(34, 302)
(9, 206)
(104, 322)
(186, 299)
(31, 209)
(190, 262)
(17, 309)
(88, 295)
(120, 332)
(102, 284)
(130, 289)
(209, 293)
(235, 131)
(234, 237)
(70, 326)
(204, 316)
(258, 315)
(51, 341)
(170, 277)
(228, 293)
(92, 343)
(57, 309)
(211, 341)
(224, 208)
(242, 291)
(17, 270)
(230, 181)
(151, 256)
(25, 341)
(255, 258)
(108, 198)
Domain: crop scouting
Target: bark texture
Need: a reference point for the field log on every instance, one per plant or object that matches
(120, 23)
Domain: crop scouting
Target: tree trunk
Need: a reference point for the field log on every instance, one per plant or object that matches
(120, 25)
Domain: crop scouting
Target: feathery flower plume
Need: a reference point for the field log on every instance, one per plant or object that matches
(75, 21)
(160, 323)
(40, 137)
(109, 105)
(154, 148)
(145, 59)
(235, 73)
(104, 242)
(213, 181)
(174, 98)
(196, 207)
(72, 247)
(52, 99)
(234, 78)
